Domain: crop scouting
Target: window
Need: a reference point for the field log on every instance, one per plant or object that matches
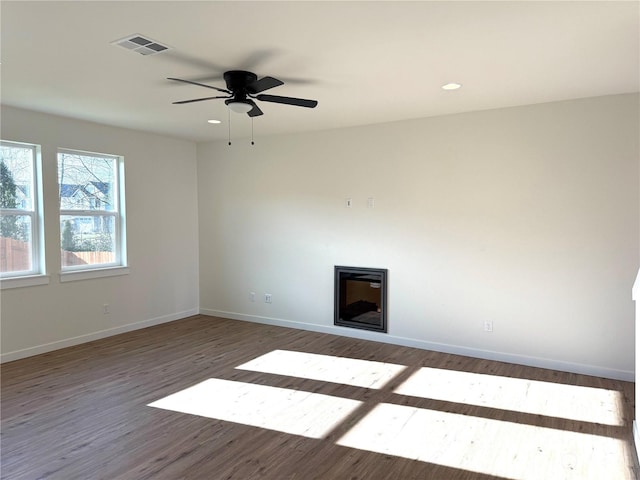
(22, 253)
(92, 225)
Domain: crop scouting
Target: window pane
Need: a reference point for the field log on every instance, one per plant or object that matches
(16, 176)
(90, 189)
(87, 240)
(16, 248)
(86, 182)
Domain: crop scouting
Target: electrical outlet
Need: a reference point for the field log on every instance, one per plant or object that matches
(488, 326)
(105, 309)
(267, 298)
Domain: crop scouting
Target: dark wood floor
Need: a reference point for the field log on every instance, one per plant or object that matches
(81, 412)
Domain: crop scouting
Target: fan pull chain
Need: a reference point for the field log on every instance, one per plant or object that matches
(229, 123)
(252, 131)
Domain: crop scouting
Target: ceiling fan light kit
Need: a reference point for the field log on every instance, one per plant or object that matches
(239, 106)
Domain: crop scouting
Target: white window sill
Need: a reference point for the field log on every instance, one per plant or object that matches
(76, 275)
(26, 281)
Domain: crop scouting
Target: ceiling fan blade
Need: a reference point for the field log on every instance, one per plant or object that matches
(255, 111)
(263, 84)
(198, 84)
(298, 102)
(196, 100)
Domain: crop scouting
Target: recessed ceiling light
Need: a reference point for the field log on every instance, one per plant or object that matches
(451, 86)
(214, 121)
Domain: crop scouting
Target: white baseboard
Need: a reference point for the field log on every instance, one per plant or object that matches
(89, 337)
(549, 363)
(636, 439)
(552, 364)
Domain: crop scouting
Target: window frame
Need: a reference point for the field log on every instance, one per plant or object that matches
(119, 265)
(37, 275)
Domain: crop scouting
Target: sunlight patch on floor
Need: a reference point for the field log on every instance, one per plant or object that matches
(493, 447)
(588, 404)
(296, 412)
(516, 451)
(327, 368)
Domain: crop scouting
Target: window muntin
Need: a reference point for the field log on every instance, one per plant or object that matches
(20, 211)
(90, 188)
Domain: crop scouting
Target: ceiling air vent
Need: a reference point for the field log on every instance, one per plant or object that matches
(141, 44)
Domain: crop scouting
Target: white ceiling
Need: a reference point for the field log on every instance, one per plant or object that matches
(365, 62)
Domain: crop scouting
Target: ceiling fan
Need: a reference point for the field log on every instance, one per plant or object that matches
(242, 88)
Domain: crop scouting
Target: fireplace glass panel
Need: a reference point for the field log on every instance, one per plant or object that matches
(360, 298)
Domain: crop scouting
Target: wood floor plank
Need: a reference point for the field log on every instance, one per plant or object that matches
(82, 412)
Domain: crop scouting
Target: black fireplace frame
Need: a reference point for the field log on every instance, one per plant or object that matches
(339, 304)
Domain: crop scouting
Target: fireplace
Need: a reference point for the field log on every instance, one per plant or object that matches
(361, 298)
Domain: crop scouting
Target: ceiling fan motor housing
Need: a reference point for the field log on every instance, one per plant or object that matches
(238, 80)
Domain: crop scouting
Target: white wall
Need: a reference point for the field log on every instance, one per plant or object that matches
(528, 217)
(162, 233)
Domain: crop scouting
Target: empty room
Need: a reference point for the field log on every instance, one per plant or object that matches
(319, 240)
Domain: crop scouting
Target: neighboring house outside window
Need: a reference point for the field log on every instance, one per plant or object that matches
(92, 221)
(21, 222)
